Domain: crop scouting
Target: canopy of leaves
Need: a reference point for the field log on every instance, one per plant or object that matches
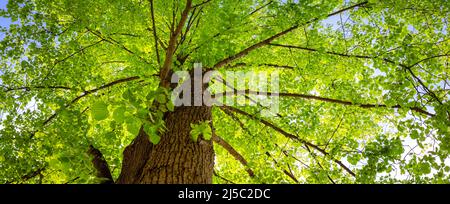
(364, 86)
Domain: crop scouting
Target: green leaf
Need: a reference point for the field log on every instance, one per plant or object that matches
(143, 113)
(119, 114)
(194, 135)
(207, 133)
(414, 134)
(353, 159)
(99, 110)
(162, 108)
(150, 96)
(111, 135)
(128, 95)
(203, 129)
(161, 98)
(64, 159)
(447, 169)
(152, 133)
(133, 125)
(154, 138)
(170, 106)
(347, 84)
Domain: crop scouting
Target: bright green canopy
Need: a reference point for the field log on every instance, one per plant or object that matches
(364, 86)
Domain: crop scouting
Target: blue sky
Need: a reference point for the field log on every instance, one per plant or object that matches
(4, 22)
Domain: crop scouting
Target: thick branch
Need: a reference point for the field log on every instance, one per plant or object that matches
(253, 47)
(328, 52)
(265, 64)
(406, 67)
(70, 56)
(423, 85)
(289, 174)
(30, 175)
(318, 163)
(104, 87)
(329, 100)
(201, 4)
(154, 32)
(194, 17)
(261, 7)
(428, 58)
(233, 153)
(86, 93)
(272, 38)
(29, 88)
(223, 178)
(100, 165)
(290, 136)
(228, 28)
(33, 174)
(160, 42)
(116, 43)
(171, 47)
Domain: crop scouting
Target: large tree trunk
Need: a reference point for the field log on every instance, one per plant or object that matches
(177, 159)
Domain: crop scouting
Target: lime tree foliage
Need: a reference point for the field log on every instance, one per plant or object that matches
(363, 88)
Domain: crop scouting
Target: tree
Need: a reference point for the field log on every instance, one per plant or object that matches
(363, 92)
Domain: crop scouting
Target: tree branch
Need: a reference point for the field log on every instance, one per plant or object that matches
(68, 57)
(320, 165)
(428, 58)
(167, 66)
(192, 18)
(265, 64)
(223, 31)
(160, 42)
(328, 52)
(272, 38)
(334, 131)
(219, 176)
(289, 174)
(201, 4)
(112, 41)
(154, 32)
(72, 180)
(290, 136)
(292, 156)
(233, 153)
(323, 99)
(261, 7)
(30, 175)
(86, 93)
(406, 67)
(423, 85)
(100, 164)
(29, 88)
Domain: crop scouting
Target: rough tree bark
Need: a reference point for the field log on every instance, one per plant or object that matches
(100, 164)
(177, 159)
